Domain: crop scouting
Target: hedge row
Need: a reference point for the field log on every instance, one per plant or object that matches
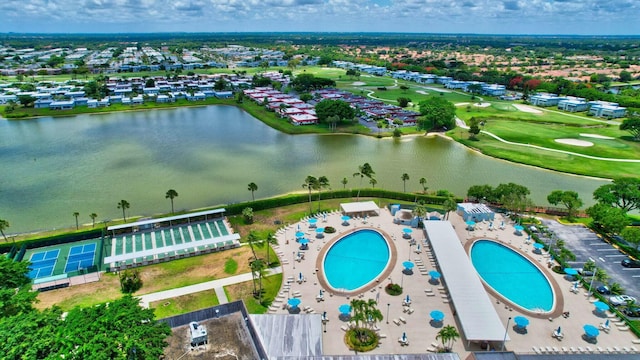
(56, 239)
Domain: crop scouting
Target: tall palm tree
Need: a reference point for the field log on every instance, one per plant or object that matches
(420, 211)
(170, 195)
(257, 268)
(364, 170)
(404, 178)
(310, 183)
(373, 182)
(4, 224)
(76, 214)
(323, 183)
(423, 182)
(93, 217)
(124, 204)
(251, 240)
(271, 240)
(448, 335)
(344, 183)
(252, 187)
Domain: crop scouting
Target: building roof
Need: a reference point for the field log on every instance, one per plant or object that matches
(359, 207)
(478, 318)
(168, 218)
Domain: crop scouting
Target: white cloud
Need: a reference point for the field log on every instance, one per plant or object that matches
(483, 16)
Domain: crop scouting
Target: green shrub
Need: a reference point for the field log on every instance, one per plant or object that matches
(393, 289)
(361, 339)
(329, 230)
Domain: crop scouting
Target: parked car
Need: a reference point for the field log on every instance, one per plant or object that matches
(618, 300)
(604, 290)
(584, 272)
(630, 263)
(632, 311)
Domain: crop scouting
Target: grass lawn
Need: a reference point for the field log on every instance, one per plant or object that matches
(244, 291)
(157, 277)
(184, 304)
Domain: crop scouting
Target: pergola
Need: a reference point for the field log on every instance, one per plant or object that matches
(360, 208)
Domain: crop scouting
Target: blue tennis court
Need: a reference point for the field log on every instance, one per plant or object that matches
(80, 257)
(42, 263)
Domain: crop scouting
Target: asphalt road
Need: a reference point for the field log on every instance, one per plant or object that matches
(586, 244)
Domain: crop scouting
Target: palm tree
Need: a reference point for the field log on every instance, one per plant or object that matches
(364, 170)
(373, 182)
(251, 240)
(252, 187)
(323, 183)
(271, 240)
(257, 267)
(76, 214)
(449, 206)
(170, 195)
(344, 183)
(124, 204)
(404, 178)
(423, 182)
(93, 217)
(310, 183)
(420, 210)
(448, 335)
(4, 224)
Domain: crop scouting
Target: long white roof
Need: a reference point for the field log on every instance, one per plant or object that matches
(359, 207)
(478, 317)
(168, 218)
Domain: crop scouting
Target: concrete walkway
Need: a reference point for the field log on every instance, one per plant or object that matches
(218, 285)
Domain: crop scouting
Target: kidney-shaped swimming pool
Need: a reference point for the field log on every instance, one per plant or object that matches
(512, 276)
(356, 260)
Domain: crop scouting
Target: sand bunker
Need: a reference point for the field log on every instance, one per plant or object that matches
(482, 105)
(461, 104)
(358, 83)
(438, 90)
(574, 142)
(528, 109)
(596, 136)
(422, 92)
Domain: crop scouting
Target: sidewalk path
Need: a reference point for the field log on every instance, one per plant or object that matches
(146, 299)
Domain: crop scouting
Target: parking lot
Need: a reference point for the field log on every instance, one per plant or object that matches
(585, 244)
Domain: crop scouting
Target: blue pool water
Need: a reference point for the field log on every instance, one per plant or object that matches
(356, 260)
(512, 275)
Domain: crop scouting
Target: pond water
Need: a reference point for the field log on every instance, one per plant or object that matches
(52, 167)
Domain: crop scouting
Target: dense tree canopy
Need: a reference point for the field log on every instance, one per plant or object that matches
(438, 113)
(623, 193)
(481, 192)
(632, 125)
(117, 330)
(610, 219)
(308, 82)
(569, 199)
(328, 108)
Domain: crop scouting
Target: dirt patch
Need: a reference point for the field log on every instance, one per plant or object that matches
(597, 136)
(229, 339)
(574, 142)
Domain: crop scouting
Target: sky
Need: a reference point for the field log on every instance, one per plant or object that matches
(580, 17)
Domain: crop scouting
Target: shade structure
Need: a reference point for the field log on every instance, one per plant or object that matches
(570, 271)
(591, 331)
(538, 245)
(437, 315)
(434, 274)
(345, 309)
(319, 230)
(300, 276)
(408, 265)
(601, 306)
(293, 302)
(299, 234)
(521, 321)
(404, 336)
(304, 241)
(407, 231)
(345, 218)
(407, 299)
(313, 221)
(518, 228)
(470, 224)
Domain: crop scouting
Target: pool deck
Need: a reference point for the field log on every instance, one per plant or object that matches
(420, 333)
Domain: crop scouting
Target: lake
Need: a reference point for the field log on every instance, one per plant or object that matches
(53, 167)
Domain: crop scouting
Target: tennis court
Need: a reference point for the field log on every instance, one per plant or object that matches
(42, 263)
(80, 257)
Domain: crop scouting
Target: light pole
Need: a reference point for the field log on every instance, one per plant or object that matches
(294, 260)
(388, 312)
(595, 272)
(506, 330)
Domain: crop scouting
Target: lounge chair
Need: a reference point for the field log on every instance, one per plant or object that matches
(396, 321)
